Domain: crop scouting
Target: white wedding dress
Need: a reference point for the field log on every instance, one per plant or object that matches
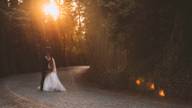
(52, 82)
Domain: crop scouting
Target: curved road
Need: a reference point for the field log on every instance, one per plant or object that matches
(21, 92)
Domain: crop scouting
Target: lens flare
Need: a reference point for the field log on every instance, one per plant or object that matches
(51, 9)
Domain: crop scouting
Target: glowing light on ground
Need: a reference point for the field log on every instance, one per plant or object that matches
(138, 82)
(151, 86)
(162, 93)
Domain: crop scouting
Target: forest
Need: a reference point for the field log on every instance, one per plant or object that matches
(120, 40)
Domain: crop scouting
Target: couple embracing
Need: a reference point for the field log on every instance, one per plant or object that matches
(49, 78)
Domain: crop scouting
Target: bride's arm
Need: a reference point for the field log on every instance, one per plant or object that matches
(54, 65)
(51, 66)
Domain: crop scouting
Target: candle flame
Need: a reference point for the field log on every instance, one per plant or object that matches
(138, 82)
(162, 93)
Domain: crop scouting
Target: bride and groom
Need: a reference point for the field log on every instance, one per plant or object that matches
(49, 78)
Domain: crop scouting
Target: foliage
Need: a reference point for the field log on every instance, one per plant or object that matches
(24, 36)
(152, 35)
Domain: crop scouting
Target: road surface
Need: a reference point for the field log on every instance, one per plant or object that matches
(20, 91)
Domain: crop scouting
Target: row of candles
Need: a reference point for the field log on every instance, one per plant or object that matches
(151, 86)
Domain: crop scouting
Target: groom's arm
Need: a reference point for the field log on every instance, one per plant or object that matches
(43, 65)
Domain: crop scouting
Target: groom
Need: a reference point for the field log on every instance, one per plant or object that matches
(44, 70)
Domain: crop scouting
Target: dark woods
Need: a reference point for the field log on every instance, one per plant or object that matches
(24, 36)
(121, 40)
(142, 39)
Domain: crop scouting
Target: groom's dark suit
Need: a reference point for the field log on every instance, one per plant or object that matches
(44, 72)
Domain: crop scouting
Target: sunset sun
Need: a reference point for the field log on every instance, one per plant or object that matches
(51, 9)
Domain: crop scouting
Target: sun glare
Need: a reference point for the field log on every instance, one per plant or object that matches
(61, 2)
(51, 9)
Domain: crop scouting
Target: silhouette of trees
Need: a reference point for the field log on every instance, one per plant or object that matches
(24, 36)
(150, 37)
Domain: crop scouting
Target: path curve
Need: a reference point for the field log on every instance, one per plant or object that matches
(21, 91)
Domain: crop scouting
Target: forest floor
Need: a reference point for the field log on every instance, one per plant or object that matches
(20, 91)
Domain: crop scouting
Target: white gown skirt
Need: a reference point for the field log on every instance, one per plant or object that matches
(52, 83)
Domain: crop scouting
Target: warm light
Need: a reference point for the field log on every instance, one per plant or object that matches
(151, 86)
(138, 82)
(161, 93)
(51, 9)
(74, 5)
(61, 2)
(83, 32)
(19, 1)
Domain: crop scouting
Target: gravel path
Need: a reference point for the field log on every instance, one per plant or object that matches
(21, 92)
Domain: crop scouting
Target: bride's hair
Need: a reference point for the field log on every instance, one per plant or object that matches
(48, 51)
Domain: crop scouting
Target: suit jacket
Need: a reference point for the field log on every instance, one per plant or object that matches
(44, 71)
(44, 66)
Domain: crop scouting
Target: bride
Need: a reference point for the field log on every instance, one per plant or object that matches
(51, 81)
